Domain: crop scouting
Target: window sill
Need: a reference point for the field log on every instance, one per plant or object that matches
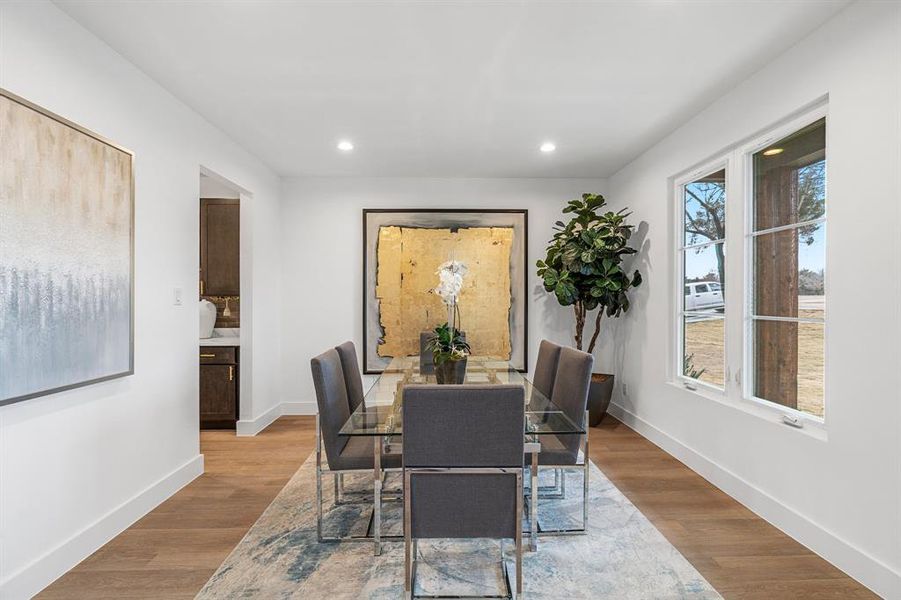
(813, 427)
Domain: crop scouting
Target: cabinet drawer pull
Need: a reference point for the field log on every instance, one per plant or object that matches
(231, 373)
(207, 356)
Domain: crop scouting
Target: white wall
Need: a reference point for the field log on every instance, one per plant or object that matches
(213, 187)
(842, 496)
(322, 253)
(78, 467)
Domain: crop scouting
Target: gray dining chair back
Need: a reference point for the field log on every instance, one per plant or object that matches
(463, 425)
(353, 381)
(426, 359)
(331, 398)
(546, 368)
(459, 426)
(463, 456)
(570, 393)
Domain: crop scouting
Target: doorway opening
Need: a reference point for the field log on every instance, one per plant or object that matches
(224, 354)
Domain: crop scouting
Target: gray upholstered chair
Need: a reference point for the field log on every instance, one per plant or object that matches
(353, 381)
(463, 457)
(562, 452)
(344, 454)
(426, 360)
(543, 382)
(352, 378)
(546, 367)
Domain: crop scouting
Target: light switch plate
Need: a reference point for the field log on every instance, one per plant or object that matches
(176, 296)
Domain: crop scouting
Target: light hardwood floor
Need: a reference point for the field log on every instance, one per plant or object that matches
(172, 551)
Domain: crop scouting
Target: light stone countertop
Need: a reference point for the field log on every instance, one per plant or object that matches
(223, 337)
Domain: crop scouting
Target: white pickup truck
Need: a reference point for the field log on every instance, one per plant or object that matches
(704, 295)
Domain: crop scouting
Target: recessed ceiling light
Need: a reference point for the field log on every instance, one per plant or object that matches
(548, 147)
(773, 151)
(345, 146)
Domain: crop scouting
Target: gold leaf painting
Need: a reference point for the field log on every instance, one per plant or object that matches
(408, 258)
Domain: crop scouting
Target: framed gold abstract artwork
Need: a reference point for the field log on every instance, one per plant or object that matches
(402, 250)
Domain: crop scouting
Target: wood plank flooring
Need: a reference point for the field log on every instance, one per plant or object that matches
(740, 554)
(171, 552)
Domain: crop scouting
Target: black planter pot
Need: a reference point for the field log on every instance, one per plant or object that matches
(451, 372)
(599, 395)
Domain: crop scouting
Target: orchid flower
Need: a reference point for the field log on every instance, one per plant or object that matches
(450, 281)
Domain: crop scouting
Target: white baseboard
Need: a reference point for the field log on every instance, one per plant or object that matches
(307, 407)
(48, 568)
(870, 571)
(250, 427)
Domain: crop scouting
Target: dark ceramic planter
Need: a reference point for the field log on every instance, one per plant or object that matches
(599, 395)
(451, 372)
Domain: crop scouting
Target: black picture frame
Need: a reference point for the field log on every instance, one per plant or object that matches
(522, 365)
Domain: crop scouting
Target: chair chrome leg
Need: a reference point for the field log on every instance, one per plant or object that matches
(519, 534)
(585, 466)
(408, 567)
(533, 519)
(413, 565)
(562, 483)
(318, 482)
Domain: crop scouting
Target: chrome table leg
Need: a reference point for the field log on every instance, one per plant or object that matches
(533, 518)
(585, 479)
(377, 499)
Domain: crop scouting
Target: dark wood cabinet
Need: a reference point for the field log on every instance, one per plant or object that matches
(218, 387)
(220, 247)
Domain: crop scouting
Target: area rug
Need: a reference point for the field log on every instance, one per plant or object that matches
(621, 557)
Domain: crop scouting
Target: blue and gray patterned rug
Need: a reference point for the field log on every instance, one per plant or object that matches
(622, 557)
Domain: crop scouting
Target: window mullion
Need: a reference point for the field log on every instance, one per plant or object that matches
(702, 244)
(735, 289)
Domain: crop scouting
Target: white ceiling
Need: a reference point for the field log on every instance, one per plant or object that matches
(449, 88)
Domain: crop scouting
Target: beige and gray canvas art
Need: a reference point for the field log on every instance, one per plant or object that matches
(65, 255)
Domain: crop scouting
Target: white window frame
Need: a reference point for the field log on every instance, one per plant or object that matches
(717, 164)
(747, 156)
(737, 315)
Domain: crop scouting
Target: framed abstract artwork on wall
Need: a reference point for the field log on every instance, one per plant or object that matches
(66, 254)
(402, 250)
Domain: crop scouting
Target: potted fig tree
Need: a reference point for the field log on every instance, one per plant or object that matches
(583, 269)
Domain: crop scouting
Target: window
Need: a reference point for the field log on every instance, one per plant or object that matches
(702, 203)
(750, 311)
(788, 249)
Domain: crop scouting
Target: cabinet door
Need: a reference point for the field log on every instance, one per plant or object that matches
(218, 396)
(220, 247)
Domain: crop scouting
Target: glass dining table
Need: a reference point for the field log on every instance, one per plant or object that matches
(380, 417)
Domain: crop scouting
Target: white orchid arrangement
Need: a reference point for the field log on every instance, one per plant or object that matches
(448, 344)
(450, 281)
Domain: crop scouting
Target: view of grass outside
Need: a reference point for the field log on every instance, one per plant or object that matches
(704, 342)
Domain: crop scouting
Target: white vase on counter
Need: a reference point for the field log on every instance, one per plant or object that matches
(207, 319)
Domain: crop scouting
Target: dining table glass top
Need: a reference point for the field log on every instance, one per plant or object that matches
(381, 412)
